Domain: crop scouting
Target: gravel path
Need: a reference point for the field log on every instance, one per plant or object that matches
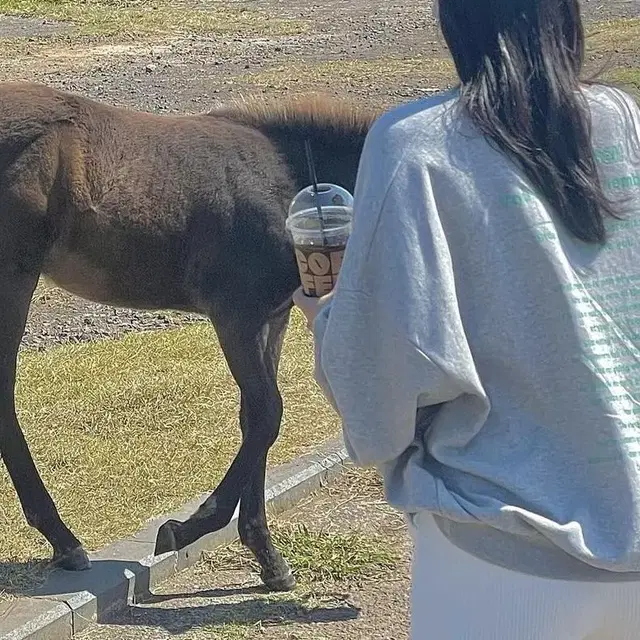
(58, 317)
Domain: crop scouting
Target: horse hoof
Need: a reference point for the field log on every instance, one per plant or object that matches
(74, 560)
(166, 538)
(280, 582)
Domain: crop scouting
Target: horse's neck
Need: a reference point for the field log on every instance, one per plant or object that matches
(336, 152)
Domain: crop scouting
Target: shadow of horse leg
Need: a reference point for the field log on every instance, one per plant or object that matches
(252, 521)
(39, 509)
(244, 344)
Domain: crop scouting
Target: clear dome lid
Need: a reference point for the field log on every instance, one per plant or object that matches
(329, 195)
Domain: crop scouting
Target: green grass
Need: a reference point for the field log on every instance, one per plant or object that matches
(626, 78)
(319, 556)
(316, 557)
(125, 430)
(137, 18)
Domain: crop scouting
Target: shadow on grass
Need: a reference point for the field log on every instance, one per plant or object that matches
(22, 578)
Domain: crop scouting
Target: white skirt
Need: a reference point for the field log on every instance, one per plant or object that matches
(456, 596)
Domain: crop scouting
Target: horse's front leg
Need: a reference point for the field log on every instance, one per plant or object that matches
(39, 509)
(245, 345)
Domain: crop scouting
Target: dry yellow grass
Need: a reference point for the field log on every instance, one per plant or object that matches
(604, 39)
(125, 430)
(342, 73)
(614, 36)
(614, 43)
(151, 17)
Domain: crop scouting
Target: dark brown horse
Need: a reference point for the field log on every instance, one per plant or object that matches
(154, 212)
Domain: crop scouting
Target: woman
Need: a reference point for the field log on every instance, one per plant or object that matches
(483, 343)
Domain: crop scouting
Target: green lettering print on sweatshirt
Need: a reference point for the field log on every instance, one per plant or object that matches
(607, 313)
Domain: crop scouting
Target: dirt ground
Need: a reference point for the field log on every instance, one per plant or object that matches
(194, 74)
(207, 602)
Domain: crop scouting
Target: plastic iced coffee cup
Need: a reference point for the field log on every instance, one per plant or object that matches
(320, 247)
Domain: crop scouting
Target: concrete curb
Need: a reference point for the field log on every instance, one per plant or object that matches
(124, 572)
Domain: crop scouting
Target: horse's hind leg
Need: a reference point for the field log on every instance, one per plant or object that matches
(16, 289)
(244, 342)
(252, 521)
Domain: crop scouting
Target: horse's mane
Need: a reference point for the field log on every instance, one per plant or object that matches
(316, 111)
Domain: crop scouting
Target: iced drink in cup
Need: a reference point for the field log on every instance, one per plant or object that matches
(320, 246)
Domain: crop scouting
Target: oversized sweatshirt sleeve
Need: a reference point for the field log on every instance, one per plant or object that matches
(391, 340)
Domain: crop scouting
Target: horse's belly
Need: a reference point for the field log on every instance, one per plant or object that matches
(113, 286)
(77, 275)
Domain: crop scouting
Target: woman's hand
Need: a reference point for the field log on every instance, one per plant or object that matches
(310, 307)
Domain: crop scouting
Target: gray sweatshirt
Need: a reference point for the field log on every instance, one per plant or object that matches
(486, 361)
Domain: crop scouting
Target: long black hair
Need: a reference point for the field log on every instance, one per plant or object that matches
(519, 63)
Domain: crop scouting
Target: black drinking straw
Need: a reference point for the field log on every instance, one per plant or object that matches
(314, 181)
